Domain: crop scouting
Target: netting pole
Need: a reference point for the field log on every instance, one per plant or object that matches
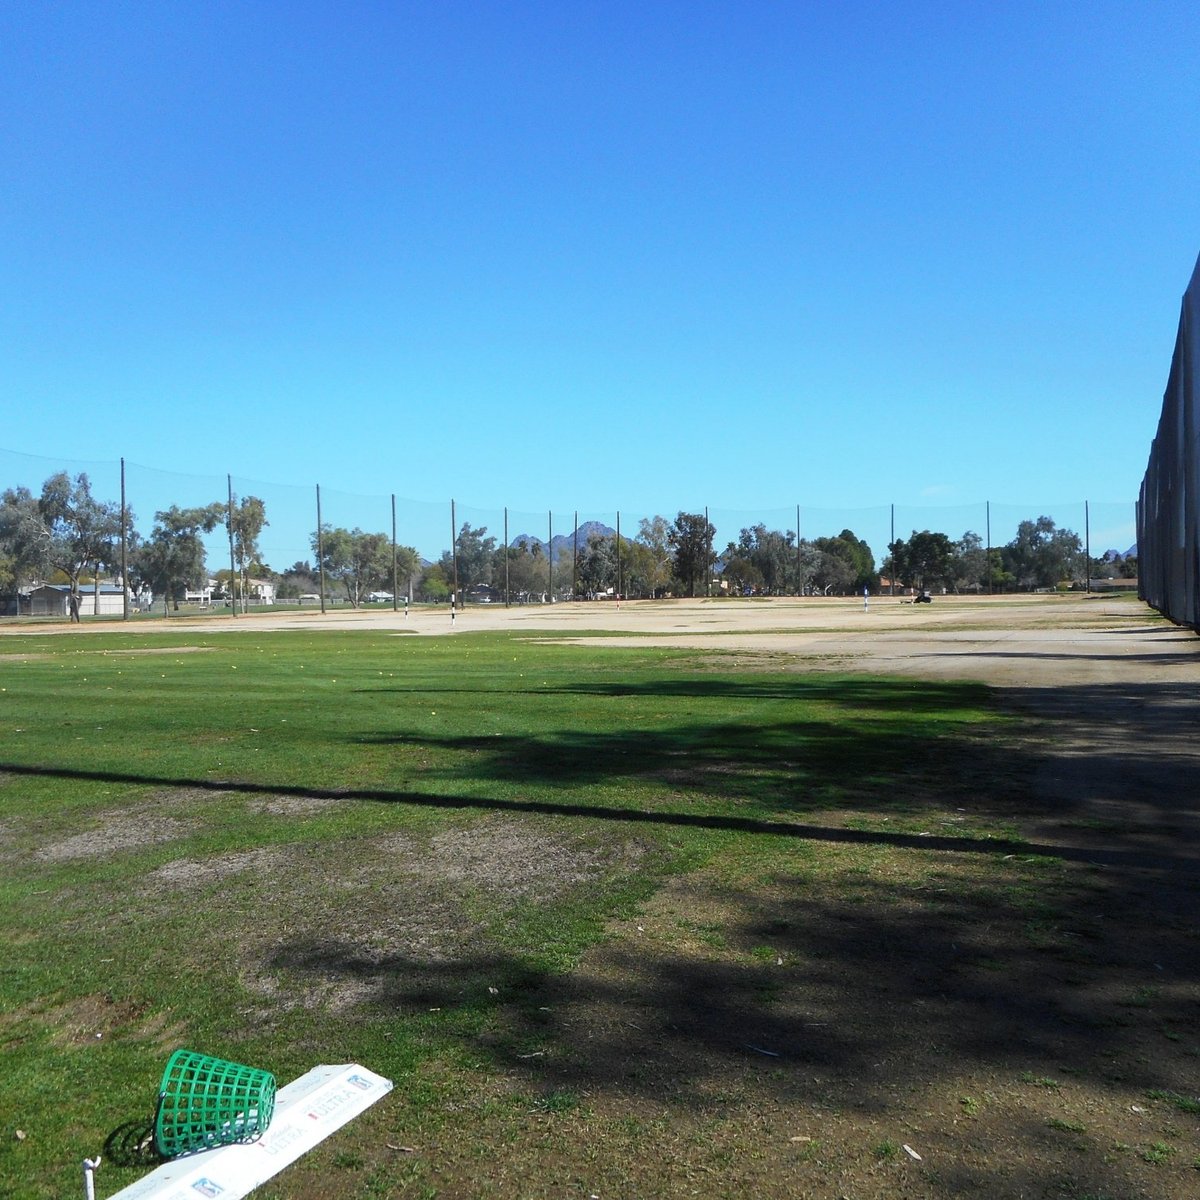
(707, 556)
(232, 563)
(891, 557)
(320, 549)
(124, 549)
(550, 555)
(575, 560)
(395, 567)
(507, 603)
(618, 558)
(453, 559)
(988, 518)
(1087, 545)
(799, 577)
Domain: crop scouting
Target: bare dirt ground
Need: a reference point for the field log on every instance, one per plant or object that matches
(936, 1023)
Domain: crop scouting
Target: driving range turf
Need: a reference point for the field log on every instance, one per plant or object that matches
(617, 922)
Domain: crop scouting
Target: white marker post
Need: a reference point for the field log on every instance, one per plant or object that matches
(306, 1112)
(865, 594)
(90, 1167)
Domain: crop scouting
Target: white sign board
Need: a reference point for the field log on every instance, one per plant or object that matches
(307, 1111)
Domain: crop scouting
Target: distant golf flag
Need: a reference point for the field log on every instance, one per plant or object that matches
(307, 1111)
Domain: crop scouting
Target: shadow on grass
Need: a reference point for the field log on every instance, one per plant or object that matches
(132, 1145)
(1097, 855)
(845, 994)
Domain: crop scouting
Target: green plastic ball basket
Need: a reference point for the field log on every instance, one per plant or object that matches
(205, 1101)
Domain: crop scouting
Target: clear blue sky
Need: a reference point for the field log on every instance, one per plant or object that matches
(591, 256)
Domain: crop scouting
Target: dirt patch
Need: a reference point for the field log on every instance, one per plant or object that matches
(123, 831)
(96, 1018)
(293, 806)
(202, 872)
(401, 920)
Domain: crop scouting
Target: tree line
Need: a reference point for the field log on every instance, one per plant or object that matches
(66, 534)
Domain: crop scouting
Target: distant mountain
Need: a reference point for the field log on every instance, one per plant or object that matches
(563, 543)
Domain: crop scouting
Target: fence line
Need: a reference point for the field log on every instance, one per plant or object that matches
(426, 525)
(1168, 511)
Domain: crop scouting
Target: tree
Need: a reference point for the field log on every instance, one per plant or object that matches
(1043, 556)
(739, 571)
(81, 531)
(408, 567)
(653, 570)
(690, 538)
(434, 585)
(298, 580)
(924, 561)
(769, 557)
(23, 539)
(475, 552)
(172, 558)
(527, 571)
(596, 568)
(968, 563)
(360, 562)
(845, 564)
(245, 521)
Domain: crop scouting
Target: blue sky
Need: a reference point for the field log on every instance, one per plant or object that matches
(584, 256)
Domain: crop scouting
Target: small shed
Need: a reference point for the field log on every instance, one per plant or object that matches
(53, 600)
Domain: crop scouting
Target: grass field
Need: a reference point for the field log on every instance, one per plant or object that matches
(616, 921)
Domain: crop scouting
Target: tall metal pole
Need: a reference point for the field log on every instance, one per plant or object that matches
(506, 591)
(989, 546)
(575, 560)
(799, 581)
(618, 558)
(453, 559)
(395, 565)
(124, 549)
(892, 556)
(1087, 543)
(550, 555)
(232, 564)
(320, 548)
(707, 555)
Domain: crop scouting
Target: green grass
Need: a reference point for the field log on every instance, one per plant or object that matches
(287, 848)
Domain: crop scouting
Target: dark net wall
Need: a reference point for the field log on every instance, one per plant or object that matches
(1168, 525)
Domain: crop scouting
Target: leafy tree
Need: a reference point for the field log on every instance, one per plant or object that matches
(597, 566)
(924, 561)
(408, 568)
(23, 539)
(690, 539)
(1002, 579)
(769, 557)
(360, 562)
(527, 570)
(844, 564)
(434, 585)
(81, 531)
(652, 570)
(1043, 555)
(300, 579)
(172, 558)
(968, 563)
(248, 518)
(739, 571)
(475, 555)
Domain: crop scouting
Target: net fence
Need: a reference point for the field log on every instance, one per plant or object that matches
(452, 530)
